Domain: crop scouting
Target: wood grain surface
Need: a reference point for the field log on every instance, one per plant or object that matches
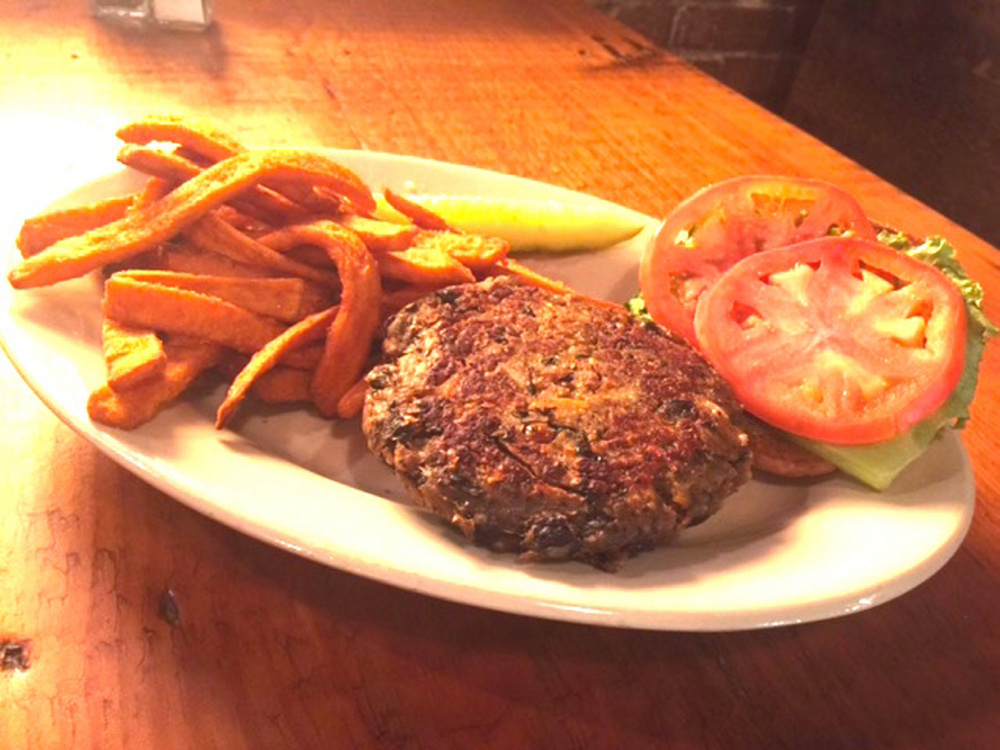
(129, 621)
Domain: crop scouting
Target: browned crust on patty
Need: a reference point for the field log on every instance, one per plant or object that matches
(552, 426)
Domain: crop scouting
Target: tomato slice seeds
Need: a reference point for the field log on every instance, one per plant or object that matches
(724, 223)
(838, 339)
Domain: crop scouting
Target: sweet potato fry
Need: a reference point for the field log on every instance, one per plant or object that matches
(197, 135)
(285, 299)
(473, 251)
(380, 236)
(154, 189)
(423, 266)
(511, 267)
(158, 222)
(38, 232)
(188, 260)
(306, 358)
(252, 226)
(395, 300)
(213, 233)
(302, 360)
(204, 139)
(262, 264)
(156, 162)
(270, 206)
(309, 329)
(283, 385)
(311, 199)
(311, 256)
(193, 156)
(130, 354)
(131, 407)
(422, 217)
(230, 364)
(257, 201)
(351, 334)
(353, 401)
(176, 311)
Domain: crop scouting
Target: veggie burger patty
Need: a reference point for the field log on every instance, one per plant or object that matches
(550, 425)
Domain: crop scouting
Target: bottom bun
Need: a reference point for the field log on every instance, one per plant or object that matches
(774, 453)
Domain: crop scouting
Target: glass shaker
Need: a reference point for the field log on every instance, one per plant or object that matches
(130, 13)
(186, 15)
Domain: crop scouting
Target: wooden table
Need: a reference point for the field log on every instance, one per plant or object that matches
(139, 623)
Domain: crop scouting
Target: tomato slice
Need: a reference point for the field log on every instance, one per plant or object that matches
(838, 339)
(726, 222)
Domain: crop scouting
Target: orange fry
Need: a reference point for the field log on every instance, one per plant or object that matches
(170, 166)
(158, 163)
(130, 407)
(306, 358)
(262, 265)
(250, 225)
(311, 256)
(471, 250)
(200, 136)
(38, 232)
(308, 329)
(422, 217)
(353, 401)
(511, 267)
(424, 266)
(158, 222)
(177, 311)
(283, 385)
(130, 354)
(230, 364)
(154, 189)
(310, 198)
(380, 236)
(303, 360)
(285, 299)
(266, 204)
(186, 260)
(217, 235)
(397, 299)
(352, 332)
(191, 155)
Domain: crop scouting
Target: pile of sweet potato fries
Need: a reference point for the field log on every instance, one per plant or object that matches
(265, 265)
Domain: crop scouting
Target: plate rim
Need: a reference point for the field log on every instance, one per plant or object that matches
(111, 444)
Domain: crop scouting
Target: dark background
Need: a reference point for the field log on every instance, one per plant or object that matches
(910, 90)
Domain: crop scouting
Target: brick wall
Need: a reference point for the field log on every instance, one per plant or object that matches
(963, 34)
(911, 90)
(973, 24)
(754, 46)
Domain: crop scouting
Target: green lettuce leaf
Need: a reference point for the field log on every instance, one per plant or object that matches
(879, 464)
(637, 306)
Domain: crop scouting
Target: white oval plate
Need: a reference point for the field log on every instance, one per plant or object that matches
(777, 553)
